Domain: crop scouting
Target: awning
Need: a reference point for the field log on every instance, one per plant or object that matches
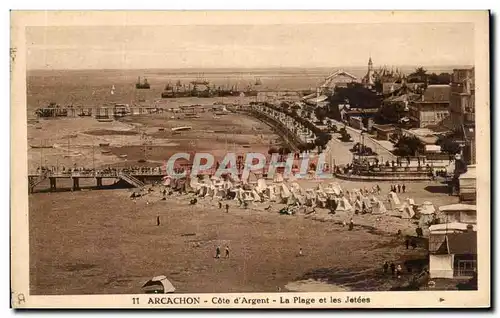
(432, 148)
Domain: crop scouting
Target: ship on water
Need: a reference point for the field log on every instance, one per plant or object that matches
(143, 85)
(198, 88)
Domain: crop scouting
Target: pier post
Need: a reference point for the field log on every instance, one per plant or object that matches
(52, 183)
(99, 182)
(76, 183)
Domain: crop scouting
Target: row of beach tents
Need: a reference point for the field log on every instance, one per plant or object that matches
(330, 196)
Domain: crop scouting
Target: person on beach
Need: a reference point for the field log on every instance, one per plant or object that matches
(158, 220)
(351, 225)
(217, 252)
(398, 271)
(393, 268)
(227, 208)
(220, 205)
(386, 267)
(399, 188)
(300, 251)
(227, 251)
(403, 188)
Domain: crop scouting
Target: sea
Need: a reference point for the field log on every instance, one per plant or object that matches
(98, 87)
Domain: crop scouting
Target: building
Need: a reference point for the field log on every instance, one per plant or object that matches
(462, 213)
(339, 78)
(462, 111)
(369, 79)
(453, 255)
(384, 132)
(467, 185)
(432, 108)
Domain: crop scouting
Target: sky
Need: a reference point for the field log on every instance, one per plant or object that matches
(249, 46)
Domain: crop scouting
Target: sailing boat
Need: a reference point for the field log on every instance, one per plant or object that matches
(113, 90)
(258, 82)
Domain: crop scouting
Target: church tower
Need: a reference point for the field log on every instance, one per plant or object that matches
(370, 75)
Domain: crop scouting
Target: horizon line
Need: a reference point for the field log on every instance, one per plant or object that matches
(246, 68)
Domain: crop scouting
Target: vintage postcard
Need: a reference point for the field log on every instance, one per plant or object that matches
(316, 159)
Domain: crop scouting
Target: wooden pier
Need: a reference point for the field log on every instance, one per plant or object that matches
(97, 112)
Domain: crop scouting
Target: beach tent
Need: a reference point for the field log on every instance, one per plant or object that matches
(300, 199)
(295, 187)
(378, 207)
(167, 180)
(336, 188)
(261, 185)
(343, 205)
(367, 202)
(407, 211)
(202, 191)
(358, 206)
(278, 178)
(270, 193)
(256, 196)
(158, 285)
(427, 213)
(220, 193)
(394, 202)
(410, 201)
(311, 199)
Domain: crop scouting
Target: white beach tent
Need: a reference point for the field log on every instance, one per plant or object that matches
(167, 180)
(426, 213)
(358, 206)
(283, 191)
(261, 185)
(367, 201)
(278, 178)
(158, 285)
(394, 202)
(407, 211)
(337, 189)
(378, 207)
(343, 205)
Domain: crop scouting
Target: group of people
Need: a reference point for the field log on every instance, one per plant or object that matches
(398, 188)
(217, 251)
(396, 270)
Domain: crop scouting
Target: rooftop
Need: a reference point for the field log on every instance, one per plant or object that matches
(437, 93)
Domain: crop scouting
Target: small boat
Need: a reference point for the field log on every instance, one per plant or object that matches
(105, 120)
(41, 146)
(106, 152)
(104, 144)
(161, 129)
(123, 156)
(182, 128)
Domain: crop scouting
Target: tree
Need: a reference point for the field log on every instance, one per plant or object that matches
(408, 146)
(418, 76)
(390, 113)
(448, 145)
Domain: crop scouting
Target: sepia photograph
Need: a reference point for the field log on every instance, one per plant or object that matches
(250, 159)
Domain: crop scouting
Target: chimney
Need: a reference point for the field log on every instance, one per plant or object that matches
(470, 228)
